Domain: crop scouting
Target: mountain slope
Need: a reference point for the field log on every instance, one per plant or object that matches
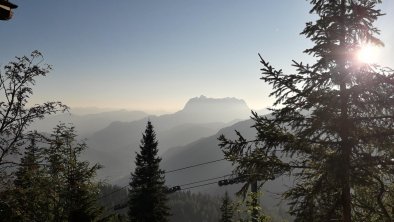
(201, 151)
(115, 145)
(207, 149)
(90, 123)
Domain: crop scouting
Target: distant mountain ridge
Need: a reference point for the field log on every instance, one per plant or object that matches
(88, 123)
(186, 138)
(114, 146)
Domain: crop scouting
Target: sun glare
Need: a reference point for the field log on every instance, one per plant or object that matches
(368, 54)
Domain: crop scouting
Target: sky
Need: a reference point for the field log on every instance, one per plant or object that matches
(155, 55)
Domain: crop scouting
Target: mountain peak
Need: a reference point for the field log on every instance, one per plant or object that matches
(216, 109)
(202, 102)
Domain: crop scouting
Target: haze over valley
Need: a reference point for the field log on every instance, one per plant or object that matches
(187, 137)
(114, 137)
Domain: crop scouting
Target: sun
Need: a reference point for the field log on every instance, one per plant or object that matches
(368, 54)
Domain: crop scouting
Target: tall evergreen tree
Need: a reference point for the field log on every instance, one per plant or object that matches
(227, 209)
(52, 183)
(29, 195)
(147, 197)
(73, 191)
(17, 113)
(335, 119)
(74, 188)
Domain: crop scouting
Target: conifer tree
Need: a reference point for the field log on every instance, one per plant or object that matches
(52, 183)
(73, 190)
(30, 185)
(332, 124)
(147, 197)
(226, 209)
(17, 113)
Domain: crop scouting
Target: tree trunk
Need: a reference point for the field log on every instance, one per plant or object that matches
(346, 146)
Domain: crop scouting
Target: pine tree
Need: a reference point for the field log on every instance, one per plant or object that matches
(226, 209)
(52, 183)
(147, 197)
(249, 210)
(29, 193)
(73, 190)
(335, 119)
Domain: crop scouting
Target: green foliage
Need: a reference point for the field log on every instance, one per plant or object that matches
(192, 207)
(31, 185)
(184, 206)
(332, 125)
(227, 209)
(52, 184)
(73, 190)
(118, 218)
(147, 197)
(249, 209)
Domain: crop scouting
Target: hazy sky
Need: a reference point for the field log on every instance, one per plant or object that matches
(155, 55)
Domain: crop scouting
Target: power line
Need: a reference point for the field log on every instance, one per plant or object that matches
(196, 165)
(191, 183)
(115, 191)
(186, 184)
(124, 204)
(171, 171)
(200, 181)
(202, 185)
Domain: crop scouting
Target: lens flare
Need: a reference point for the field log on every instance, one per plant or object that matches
(368, 54)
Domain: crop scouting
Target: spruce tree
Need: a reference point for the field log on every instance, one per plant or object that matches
(147, 197)
(29, 195)
(332, 124)
(226, 209)
(73, 190)
(52, 183)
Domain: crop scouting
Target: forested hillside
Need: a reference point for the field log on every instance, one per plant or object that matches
(186, 206)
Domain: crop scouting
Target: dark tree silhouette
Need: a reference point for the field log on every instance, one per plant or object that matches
(333, 125)
(52, 183)
(147, 198)
(16, 81)
(227, 209)
(73, 190)
(28, 198)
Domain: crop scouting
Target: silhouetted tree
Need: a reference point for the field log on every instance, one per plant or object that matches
(27, 198)
(52, 183)
(334, 118)
(147, 197)
(248, 209)
(16, 81)
(73, 190)
(227, 209)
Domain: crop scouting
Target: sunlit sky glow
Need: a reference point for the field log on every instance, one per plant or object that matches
(369, 54)
(155, 55)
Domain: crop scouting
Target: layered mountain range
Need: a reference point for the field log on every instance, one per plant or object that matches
(115, 145)
(113, 137)
(186, 138)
